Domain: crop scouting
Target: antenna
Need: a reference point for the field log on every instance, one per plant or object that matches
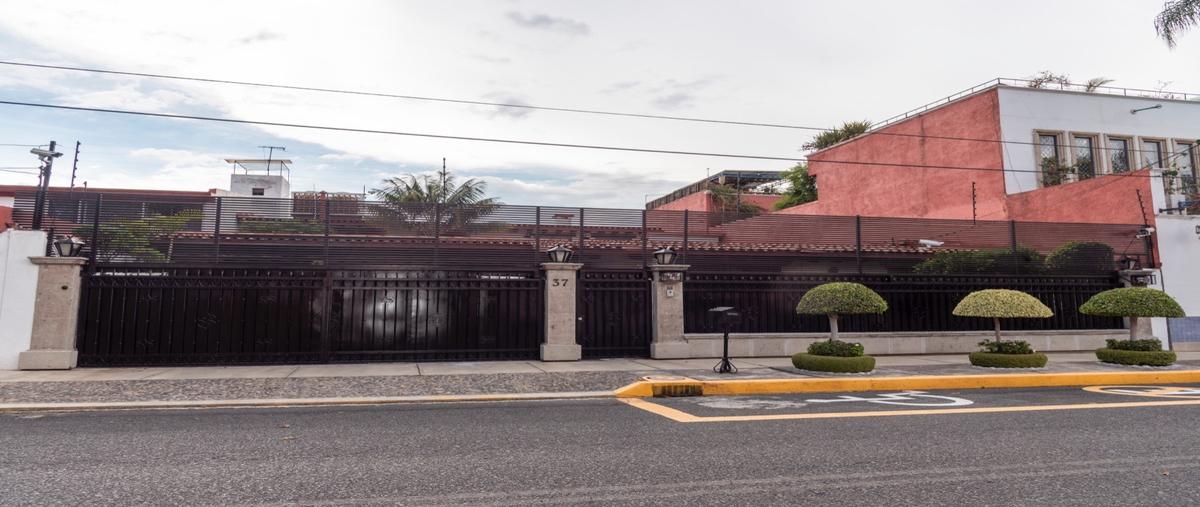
(270, 154)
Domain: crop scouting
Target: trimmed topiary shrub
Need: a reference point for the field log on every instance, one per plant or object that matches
(1000, 360)
(1082, 257)
(835, 364)
(1143, 345)
(1004, 304)
(1132, 302)
(1136, 357)
(836, 348)
(840, 298)
(1001, 304)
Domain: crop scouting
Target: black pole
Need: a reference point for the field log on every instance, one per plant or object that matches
(75, 164)
(95, 239)
(684, 254)
(858, 242)
(39, 201)
(1012, 233)
(725, 366)
(217, 232)
(537, 236)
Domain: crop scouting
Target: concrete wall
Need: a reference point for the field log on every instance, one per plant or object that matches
(1024, 111)
(879, 344)
(1179, 251)
(1077, 202)
(912, 191)
(18, 287)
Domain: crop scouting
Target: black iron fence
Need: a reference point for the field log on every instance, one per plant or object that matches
(349, 232)
(133, 315)
(916, 302)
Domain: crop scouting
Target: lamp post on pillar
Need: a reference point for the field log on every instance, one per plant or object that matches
(666, 303)
(55, 309)
(561, 281)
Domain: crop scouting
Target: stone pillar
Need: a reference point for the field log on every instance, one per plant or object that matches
(561, 284)
(666, 307)
(55, 315)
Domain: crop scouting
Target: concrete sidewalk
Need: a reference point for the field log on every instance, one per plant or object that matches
(469, 379)
(648, 366)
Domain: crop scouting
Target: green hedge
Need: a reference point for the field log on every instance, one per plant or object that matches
(994, 360)
(1132, 302)
(1143, 345)
(835, 348)
(859, 364)
(1136, 357)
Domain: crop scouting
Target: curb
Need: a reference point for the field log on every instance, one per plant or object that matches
(651, 388)
(294, 402)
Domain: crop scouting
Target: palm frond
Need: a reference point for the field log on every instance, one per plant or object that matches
(1176, 17)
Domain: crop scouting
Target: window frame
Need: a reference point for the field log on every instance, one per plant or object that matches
(1060, 152)
(1109, 151)
(1162, 152)
(1097, 169)
(1191, 149)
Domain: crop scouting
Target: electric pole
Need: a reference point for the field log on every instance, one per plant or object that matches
(47, 157)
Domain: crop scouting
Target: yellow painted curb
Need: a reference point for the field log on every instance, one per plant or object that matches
(645, 388)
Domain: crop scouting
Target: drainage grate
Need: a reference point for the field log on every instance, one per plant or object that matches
(677, 390)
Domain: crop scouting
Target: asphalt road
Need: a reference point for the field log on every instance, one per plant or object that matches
(604, 452)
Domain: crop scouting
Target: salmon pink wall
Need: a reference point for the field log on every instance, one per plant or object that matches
(1110, 199)
(912, 191)
(5, 217)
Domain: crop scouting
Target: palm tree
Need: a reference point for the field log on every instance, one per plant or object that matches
(1095, 83)
(425, 204)
(1176, 17)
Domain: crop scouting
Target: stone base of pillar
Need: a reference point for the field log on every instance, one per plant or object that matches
(561, 352)
(48, 359)
(670, 350)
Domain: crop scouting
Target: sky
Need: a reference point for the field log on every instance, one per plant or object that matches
(792, 62)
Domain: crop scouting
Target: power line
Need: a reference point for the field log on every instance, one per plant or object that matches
(17, 145)
(506, 104)
(516, 141)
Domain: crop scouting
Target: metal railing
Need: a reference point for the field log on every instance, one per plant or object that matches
(1025, 83)
(256, 232)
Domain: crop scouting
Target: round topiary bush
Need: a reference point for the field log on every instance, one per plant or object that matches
(1004, 304)
(1136, 357)
(1001, 360)
(835, 364)
(840, 298)
(1132, 302)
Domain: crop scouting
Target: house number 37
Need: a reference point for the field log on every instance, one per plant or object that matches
(559, 282)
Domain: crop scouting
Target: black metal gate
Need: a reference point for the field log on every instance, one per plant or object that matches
(614, 313)
(178, 315)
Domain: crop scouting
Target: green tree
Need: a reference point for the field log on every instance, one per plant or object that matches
(1177, 17)
(418, 204)
(831, 137)
(133, 239)
(836, 299)
(802, 187)
(729, 200)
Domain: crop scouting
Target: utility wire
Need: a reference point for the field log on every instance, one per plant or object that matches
(504, 104)
(518, 141)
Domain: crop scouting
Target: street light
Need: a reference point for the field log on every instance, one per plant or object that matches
(68, 246)
(665, 256)
(559, 254)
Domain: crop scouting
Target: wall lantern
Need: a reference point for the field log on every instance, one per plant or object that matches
(559, 254)
(68, 246)
(664, 256)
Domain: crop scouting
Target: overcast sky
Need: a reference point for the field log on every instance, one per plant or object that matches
(795, 62)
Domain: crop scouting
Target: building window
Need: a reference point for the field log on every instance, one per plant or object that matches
(1047, 147)
(1049, 159)
(1185, 158)
(1085, 156)
(1152, 154)
(258, 191)
(1118, 154)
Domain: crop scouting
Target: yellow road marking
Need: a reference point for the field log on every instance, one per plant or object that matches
(684, 417)
(917, 382)
(1148, 391)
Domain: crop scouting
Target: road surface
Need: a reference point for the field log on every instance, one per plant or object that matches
(994, 447)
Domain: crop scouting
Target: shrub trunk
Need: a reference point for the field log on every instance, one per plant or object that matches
(833, 328)
(1133, 328)
(997, 322)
